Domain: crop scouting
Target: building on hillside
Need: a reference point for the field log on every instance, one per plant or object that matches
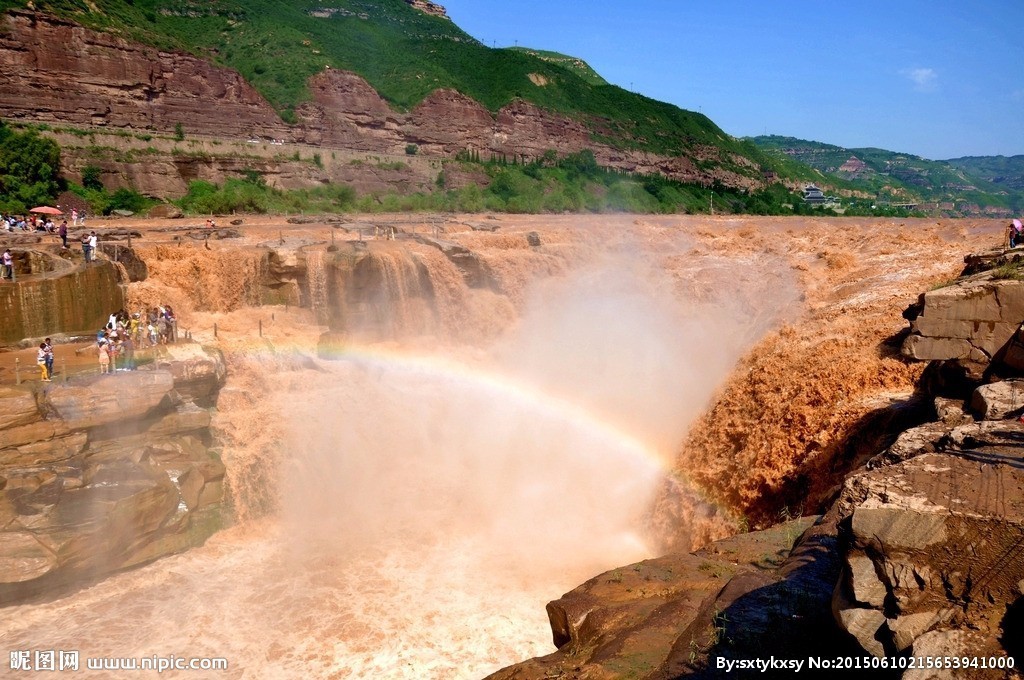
(815, 196)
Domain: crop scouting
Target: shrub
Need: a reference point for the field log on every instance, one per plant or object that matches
(126, 199)
(91, 178)
(29, 169)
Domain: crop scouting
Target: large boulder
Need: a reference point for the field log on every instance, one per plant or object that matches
(969, 322)
(746, 596)
(109, 398)
(999, 400)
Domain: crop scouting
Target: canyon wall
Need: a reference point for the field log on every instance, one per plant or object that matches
(108, 472)
(58, 72)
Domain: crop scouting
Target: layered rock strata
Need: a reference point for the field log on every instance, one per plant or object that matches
(109, 472)
(972, 322)
(124, 85)
(56, 70)
(934, 540)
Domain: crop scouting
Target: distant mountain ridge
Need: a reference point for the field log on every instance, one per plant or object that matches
(979, 185)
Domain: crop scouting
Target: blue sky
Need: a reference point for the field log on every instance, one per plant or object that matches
(939, 79)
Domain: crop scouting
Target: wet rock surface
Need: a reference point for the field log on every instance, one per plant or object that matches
(40, 304)
(759, 594)
(107, 472)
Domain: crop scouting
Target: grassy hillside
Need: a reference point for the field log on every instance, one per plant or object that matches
(898, 177)
(1003, 171)
(405, 54)
(574, 64)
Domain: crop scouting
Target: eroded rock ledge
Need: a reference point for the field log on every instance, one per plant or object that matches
(109, 472)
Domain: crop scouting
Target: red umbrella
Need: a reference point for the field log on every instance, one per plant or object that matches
(47, 210)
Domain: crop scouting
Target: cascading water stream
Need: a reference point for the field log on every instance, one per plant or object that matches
(316, 276)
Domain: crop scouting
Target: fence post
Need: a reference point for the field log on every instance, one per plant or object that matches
(215, 329)
(64, 370)
(17, 370)
(261, 328)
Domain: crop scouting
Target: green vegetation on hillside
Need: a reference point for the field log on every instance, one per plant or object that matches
(905, 178)
(1003, 171)
(29, 170)
(574, 183)
(574, 64)
(405, 54)
(30, 176)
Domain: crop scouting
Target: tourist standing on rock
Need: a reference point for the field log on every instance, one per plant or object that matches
(86, 248)
(172, 324)
(104, 355)
(128, 347)
(114, 348)
(134, 328)
(41, 360)
(93, 244)
(48, 345)
(74, 217)
(8, 264)
(62, 231)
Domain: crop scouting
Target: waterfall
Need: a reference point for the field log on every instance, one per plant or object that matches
(316, 278)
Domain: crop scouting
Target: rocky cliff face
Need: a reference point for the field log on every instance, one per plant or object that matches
(346, 112)
(55, 70)
(106, 473)
(933, 542)
(118, 84)
(971, 328)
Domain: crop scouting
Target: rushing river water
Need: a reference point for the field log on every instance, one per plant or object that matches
(428, 498)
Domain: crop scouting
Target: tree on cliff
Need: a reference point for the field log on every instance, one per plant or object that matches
(29, 170)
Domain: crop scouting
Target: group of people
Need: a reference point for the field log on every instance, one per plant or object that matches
(27, 223)
(125, 332)
(37, 223)
(90, 242)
